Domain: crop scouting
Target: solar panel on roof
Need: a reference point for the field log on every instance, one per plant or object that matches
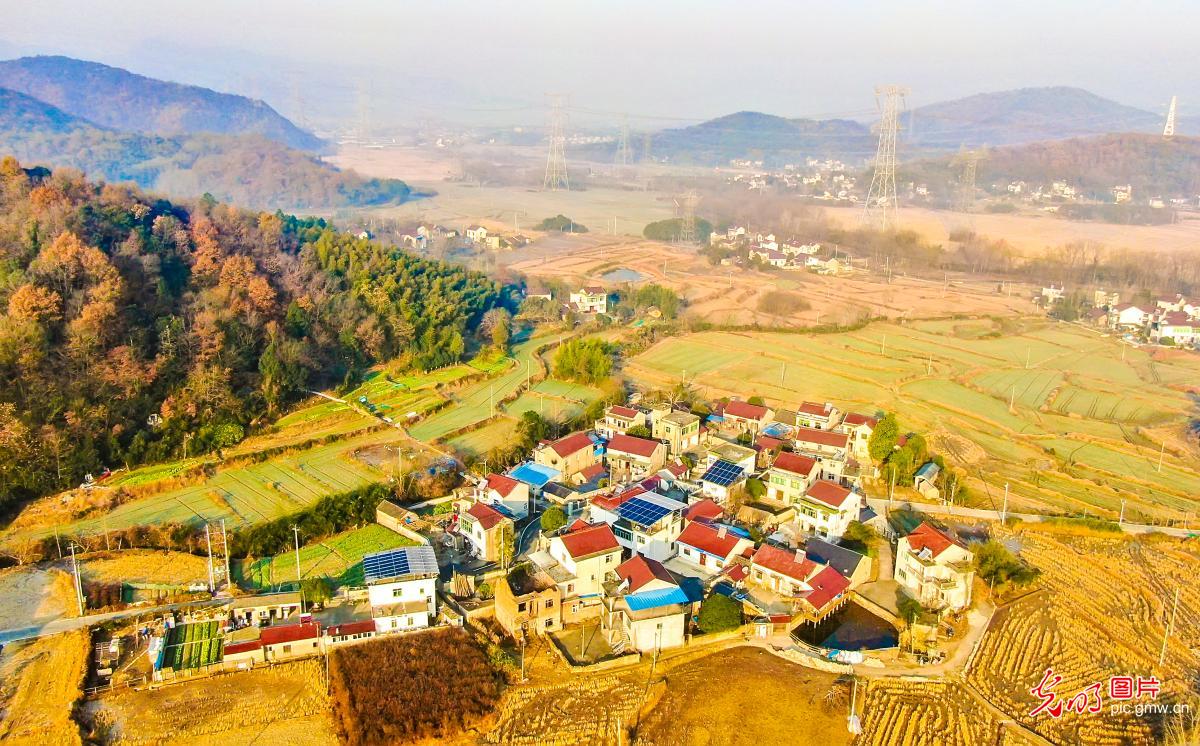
(642, 511)
(722, 473)
(400, 562)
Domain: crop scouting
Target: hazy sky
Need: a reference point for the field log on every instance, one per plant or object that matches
(664, 62)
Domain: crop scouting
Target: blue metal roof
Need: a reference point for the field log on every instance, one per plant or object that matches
(776, 430)
(534, 475)
(723, 473)
(654, 599)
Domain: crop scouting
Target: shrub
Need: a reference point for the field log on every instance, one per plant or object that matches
(782, 303)
(553, 519)
(406, 688)
(719, 613)
(998, 566)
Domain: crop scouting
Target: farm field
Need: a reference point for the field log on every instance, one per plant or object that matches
(337, 557)
(282, 705)
(912, 713)
(34, 596)
(954, 380)
(731, 295)
(477, 442)
(193, 645)
(39, 684)
(1119, 600)
(142, 566)
(745, 696)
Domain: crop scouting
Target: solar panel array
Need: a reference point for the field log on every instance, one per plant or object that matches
(397, 563)
(641, 511)
(722, 473)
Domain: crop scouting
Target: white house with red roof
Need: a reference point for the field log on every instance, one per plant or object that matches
(818, 415)
(743, 417)
(790, 476)
(590, 299)
(708, 548)
(504, 493)
(579, 560)
(643, 521)
(619, 419)
(1130, 316)
(705, 511)
(935, 568)
(630, 458)
(485, 529)
(1176, 326)
(824, 443)
(827, 509)
(644, 607)
(569, 455)
(859, 428)
(794, 584)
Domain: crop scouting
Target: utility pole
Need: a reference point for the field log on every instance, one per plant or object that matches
(78, 585)
(1121, 516)
(57, 543)
(556, 160)
(1169, 129)
(892, 486)
(1162, 656)
(212, 583)
(296, 535)
(1161, 452)
(225, 541)
(1004, 508)
(882, 205)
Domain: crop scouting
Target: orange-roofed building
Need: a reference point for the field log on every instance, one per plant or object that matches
(508, 495)
(485, 528)
(569, 455)
(935, 568)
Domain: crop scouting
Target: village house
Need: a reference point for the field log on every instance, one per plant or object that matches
(268, 608)
(509, 496)
(349, 632)
(569, 499)
(817, 416)
(732, 452)
(831, 449)
(769, 257)
(854, 567)
(577, 562)
(859, 428)
(1177, 327)
(704, 511)
(827, 509)
(644, 522)
(644, 608)
(679, 430)
(289, 641)
(790, 476)
(589, 300)
(935, 568)
(538, 292)
(1130, 316)
(402, 587)
(619, 419)
(477, 234)
(708, 548)
(721, 479)
(794, 584)
(528, 600)
(569, 455)
(629, 458)
(742, 417)
(485, 530)
(925, 481)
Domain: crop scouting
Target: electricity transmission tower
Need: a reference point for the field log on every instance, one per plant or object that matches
(1169, 130)
(623, 155)
(556, 160)
(969, 160)
(687, 210)
(882, 203)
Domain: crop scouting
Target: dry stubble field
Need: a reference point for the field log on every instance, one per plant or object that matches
(39, 682)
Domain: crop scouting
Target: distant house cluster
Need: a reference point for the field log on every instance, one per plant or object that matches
(791, 254)
(1171, 319)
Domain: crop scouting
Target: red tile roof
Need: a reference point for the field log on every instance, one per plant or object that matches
(784, 562)
(745, 410)
(591, 472)
(821, 437)
(573, 443)
(502, 484)
(577, 525)
(248, 645)
(794, 463)
(1176, 317)
(829, 493)
(350, 628)
(626, 412)
(854, 419)
(827, 585)
(614, 501)
(588, 541)
(677, 469)
(705, 510)
(290, 633)
(719, 542)
(936, 541)
(767, 443)
(815, 408)
(487, 516)
(639, 571)
(737, 573)
(643, 447)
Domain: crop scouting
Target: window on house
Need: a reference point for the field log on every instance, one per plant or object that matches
(570, 587)
(549, 603)
(397, 592)
(287, 648)
(521, 607)
(574, 608)
(549, 623)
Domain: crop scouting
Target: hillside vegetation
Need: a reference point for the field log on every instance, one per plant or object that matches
(121, 100)
(116, 306)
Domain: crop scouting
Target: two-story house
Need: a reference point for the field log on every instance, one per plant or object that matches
(578, 562)
(592, 299)
(790, 476)
(935, 568)
(501, 491)
(858, 428)
(794, 583)
(528, 601)
(707, 549)
(679, 430)
(827, 509)
(644, 607)
(402, 587)
(485, 530)
(629, 458)
(619, 419)
(817, 415)
(741, 417)
(644, 522)
(569, 455)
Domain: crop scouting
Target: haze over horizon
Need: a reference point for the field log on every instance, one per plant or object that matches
(666, 64)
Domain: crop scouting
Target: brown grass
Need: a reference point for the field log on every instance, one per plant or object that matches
(41, 682)
(34, 596)
(144, 566)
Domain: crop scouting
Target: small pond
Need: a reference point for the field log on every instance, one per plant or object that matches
(622, 274)
(850, 628)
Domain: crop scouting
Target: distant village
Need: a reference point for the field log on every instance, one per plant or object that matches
(1172, 320)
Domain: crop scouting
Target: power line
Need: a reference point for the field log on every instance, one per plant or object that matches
(882, 203)
(556, 159)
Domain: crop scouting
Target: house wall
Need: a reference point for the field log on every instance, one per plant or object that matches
(662, 632)
(539, 612)
(569, 465)
(401, 622)
(817, 518)
(288, 650)
(419, 589)
(516, 502)
(917, 578)
(787, 487)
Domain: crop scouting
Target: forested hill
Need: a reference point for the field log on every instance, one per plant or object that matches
(248, 170)
(121, 100)
(757, 136)
(115, 306)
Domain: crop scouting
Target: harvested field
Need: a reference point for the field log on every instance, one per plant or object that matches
(960, 376)
(1097, 594)
(39, 684)
(142, 566)
(745, 696)
(909, 713)
(283, 705)
(34, 596)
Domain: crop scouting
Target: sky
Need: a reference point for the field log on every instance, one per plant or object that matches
(664, 62)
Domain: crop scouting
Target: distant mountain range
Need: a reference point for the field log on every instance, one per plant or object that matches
(242, 163)
(1003, 118)
(121, 100)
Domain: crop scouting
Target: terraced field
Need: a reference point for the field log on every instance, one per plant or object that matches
(339, 558)
(1071, 420)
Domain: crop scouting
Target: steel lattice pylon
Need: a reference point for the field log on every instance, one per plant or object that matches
(556, 159)
(882, 204)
